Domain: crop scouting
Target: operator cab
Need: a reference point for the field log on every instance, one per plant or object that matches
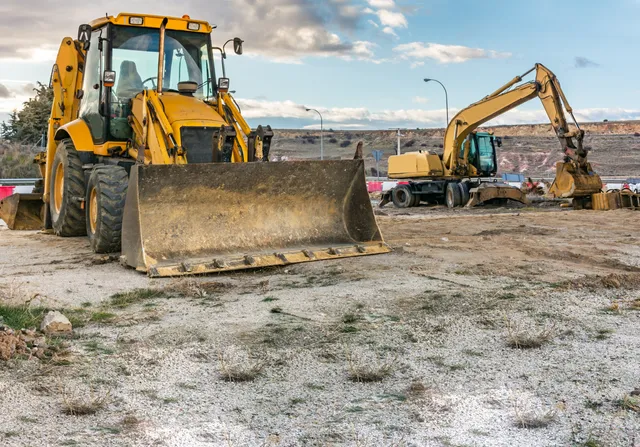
(123, 59)
(482, 152)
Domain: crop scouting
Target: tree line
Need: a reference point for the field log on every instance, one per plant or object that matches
(27, 125)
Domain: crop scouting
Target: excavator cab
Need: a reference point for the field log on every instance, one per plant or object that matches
(479, 150)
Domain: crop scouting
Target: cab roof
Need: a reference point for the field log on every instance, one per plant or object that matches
(153, 21)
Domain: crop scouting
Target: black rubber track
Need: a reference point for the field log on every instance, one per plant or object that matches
(70, 221)
(111, 184)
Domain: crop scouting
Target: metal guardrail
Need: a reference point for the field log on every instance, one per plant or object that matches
(18, 181)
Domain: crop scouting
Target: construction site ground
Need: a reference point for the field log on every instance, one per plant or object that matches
(484, 327)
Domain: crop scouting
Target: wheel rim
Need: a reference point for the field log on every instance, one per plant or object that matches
(449, 198)
(58, 189)
(93, 210)
(402, 196)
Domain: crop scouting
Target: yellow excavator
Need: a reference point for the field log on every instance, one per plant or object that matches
(464, 174)
(149, 154)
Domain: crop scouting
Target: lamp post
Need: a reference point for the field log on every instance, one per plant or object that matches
(321, 130)
(446, 98)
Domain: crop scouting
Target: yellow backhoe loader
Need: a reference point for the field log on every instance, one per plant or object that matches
(463, 174)
(149, 154)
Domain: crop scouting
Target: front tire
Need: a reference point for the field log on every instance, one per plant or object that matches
(66, 192)
(106, 196)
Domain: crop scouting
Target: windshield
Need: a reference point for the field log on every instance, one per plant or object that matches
(481, 153)
(135, 52)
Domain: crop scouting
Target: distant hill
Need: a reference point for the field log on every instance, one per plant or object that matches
(531, 149)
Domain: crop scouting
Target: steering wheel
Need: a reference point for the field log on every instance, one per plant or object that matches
(153, 80)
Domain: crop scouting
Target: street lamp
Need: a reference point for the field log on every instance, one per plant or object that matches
(446, 98)
(321, 129)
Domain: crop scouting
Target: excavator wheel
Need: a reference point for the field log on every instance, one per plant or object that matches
(106, 194)
(464, 193)
(416, 200)
(453, 195)
(402, 197)
(67, 191)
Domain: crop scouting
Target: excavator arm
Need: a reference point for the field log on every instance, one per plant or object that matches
(546, 87)
(574, 176)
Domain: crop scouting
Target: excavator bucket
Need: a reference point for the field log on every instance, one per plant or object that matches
(200, 218)
(487, 192)
(22, 211)
(572, 181)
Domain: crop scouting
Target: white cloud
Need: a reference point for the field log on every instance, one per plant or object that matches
(372, 23)
(344, 117)
(281, 30)
(446, 53)
(390, 31)
(420, 99)
(392, 19)
(382, 4)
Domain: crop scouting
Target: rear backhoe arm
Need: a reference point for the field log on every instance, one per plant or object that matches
(546, 87)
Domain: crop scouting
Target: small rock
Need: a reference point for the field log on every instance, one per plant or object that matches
(56, 323)
(445, 239)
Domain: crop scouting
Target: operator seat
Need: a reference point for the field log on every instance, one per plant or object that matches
(130, 83)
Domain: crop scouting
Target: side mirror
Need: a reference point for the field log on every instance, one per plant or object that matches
(109, 78)
(499, 141)
(237, 45)
(84, 36)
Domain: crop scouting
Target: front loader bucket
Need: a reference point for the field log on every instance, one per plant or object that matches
(199, 218)
(571, 181)
(22, 211)
(487, 192)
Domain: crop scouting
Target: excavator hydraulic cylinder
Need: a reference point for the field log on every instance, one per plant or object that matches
(199, 218)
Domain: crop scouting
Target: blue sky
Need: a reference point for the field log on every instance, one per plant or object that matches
(361, 62)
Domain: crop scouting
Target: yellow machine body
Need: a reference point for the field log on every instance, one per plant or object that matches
(201, 195)
(415, 164)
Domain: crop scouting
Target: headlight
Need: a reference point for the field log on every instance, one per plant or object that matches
(136, 20)
(193, 26)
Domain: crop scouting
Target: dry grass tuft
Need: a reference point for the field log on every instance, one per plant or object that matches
(527, 417)
(367, 368)
(519, 338)
(197, 289)
(629, 403)
(81, 405)
(238, 366)
(135, 296)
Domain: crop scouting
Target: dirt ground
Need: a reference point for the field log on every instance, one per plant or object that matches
(442, 323)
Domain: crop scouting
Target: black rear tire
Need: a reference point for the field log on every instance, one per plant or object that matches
(464, 193)
(106, 196)
(453, 195)
(416, 200)
(66, 191)
(402, 196)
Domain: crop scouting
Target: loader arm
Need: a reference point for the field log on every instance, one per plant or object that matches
(154, 141)
(546, 87)
(258, 142)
